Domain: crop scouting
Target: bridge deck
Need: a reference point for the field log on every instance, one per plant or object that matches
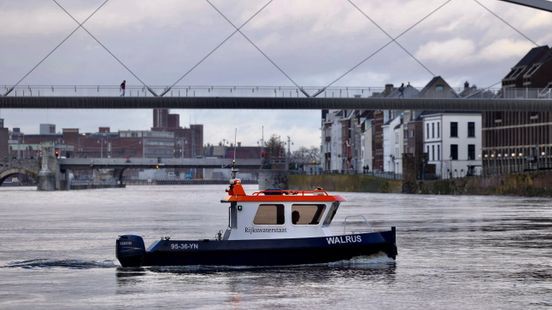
(459, 104)
(119, 163)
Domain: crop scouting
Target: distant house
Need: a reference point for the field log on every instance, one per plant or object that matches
(452, 140)
(393, 131)
(380, 140)
(532, 71)
(520, 141)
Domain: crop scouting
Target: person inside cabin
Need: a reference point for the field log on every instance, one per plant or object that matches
(295, 217)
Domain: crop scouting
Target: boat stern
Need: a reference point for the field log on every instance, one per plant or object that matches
(130, 250)
(391, 241)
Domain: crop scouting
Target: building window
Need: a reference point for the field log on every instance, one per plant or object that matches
(438, 129)
(433, 152)
(454, 129)
(471, 129)
(438, 151)
(432, 130)
(269, 215)
(532, 70)
(306, 214)
(454, 151)
(471, 151)
(427, 130)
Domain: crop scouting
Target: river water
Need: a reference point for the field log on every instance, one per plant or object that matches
(455, 252)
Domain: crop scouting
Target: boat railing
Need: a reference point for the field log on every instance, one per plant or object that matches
(356, 224)
(269, 192)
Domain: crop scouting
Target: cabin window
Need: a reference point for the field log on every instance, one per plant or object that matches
(306, 214)
(269, 215)
(331, 213)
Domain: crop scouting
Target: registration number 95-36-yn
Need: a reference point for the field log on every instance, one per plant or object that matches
(184, 246)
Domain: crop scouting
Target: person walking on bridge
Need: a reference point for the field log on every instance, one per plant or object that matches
(123, 87)
(401, 91)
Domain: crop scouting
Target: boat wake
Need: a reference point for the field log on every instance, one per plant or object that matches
(60, 263)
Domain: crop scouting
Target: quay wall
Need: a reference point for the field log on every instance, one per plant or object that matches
(538, 184)
(345, 183)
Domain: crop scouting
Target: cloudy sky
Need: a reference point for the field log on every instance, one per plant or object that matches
(313, 41)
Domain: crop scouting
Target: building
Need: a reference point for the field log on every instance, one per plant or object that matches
(336, 152)
(47, 129)
(188, 142)
(395, 124)
(452, 142)
(520, 141)
(4, 138)
(160, 119)
(154, 144)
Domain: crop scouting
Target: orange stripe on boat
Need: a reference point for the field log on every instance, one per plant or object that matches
(237, 193)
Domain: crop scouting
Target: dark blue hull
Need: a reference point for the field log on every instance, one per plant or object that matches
(269, 252)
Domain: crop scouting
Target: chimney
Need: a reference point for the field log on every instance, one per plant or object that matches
(388, 89)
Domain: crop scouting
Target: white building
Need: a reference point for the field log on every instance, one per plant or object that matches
(366, 142)
(393, 131)
(341, 141)
(452, 141)
(393, 145)
(332, 140)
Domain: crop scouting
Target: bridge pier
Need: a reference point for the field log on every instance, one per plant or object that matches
(118, 175)
(49, 175)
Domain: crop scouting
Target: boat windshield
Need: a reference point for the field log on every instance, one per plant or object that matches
(331, 213)
(303, 214)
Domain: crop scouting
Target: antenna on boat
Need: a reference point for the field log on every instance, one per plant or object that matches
(234, 170)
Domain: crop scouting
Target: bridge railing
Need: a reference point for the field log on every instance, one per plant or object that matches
(253, 91)
(185, 91)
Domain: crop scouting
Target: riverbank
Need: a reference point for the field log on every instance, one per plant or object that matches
(537, 184)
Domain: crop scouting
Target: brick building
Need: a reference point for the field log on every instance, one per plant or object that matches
(520, 141)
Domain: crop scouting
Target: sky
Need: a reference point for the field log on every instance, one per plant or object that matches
(313, 41)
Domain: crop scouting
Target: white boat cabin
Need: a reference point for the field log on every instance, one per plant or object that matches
(279, 214)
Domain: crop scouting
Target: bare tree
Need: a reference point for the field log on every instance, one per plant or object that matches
(274, 151)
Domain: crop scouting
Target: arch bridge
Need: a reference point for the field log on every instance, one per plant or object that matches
(12, 168)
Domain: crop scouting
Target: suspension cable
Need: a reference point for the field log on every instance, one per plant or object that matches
(382, 47)
(258, 49)
(505, 22)
(215, 49)
(390, 37)
(106, 49)
(54, 49)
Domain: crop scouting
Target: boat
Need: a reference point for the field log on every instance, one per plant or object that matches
(265, 228)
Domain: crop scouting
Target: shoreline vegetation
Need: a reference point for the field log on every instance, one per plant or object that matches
(530, 184)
